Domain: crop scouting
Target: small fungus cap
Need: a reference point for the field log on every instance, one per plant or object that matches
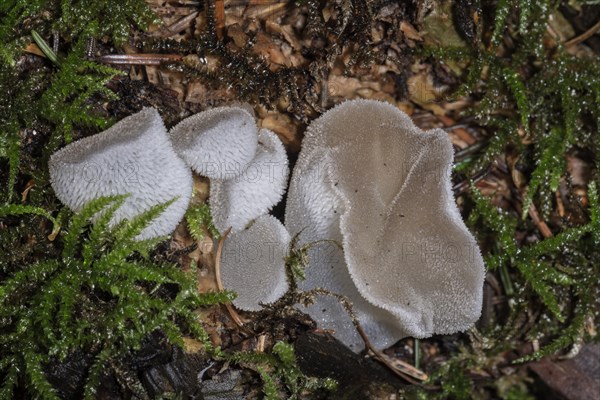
(253, 263)
(236, 202)
(133, 157)
(217, 143)
(382, 188)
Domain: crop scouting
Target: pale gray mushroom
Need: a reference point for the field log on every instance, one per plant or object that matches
(133, 157)
(253, 265)
(217, 143)
(370, 179)
(236, 202)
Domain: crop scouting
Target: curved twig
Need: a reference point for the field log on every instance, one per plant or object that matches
(584, 36)
(234, 315)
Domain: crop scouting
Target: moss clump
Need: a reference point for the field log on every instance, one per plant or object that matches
(103, 295)
(561, 271)
(70, 19)
(49, 103)
(72, 85)
(50, 99)
(537, 103)
(280, 373)
(199, 222)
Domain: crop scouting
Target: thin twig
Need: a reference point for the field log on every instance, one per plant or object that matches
(234, 315)
(398, 367)
(465, 184)
(220, 17)
(139, 59)
(539, 222)
(584, 36)
(461, 132)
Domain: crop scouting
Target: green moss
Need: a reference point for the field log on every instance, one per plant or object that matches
(56, 96)
(199, 222)
(114, 18)
(75, 82)
(545, 266)
(13, 14)
(551, 103)
(282, 378)
(57, 100)
(103, 295)
(540, 103)
(72, 19)
(17, 110)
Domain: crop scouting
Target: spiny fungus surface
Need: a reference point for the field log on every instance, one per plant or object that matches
(237, 201)
(370, 179)
(133, 157)
(254, 258)
(217, 143)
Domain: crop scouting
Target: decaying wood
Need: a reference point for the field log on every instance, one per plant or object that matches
(358, 377)
(578, 378)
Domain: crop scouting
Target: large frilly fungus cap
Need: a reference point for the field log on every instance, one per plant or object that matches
(217, 143)
(370, 179)
(237, 201)
(133, 157)
(253, 265)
